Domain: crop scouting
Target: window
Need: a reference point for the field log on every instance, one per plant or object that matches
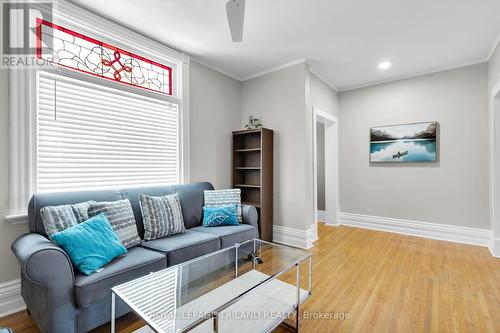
(90, 136)
(79, 125)
(70, 49)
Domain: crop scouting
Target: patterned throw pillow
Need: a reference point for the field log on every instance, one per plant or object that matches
(59, 218)
(121, 218)
(162, 216)
(220, 198)
(226, 215)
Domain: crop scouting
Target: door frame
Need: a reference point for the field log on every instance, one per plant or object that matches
(331, 168)
(495, 169)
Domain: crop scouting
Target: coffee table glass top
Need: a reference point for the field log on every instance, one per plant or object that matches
(188, 296)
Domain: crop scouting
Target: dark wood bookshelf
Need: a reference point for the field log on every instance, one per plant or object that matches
(253, 174)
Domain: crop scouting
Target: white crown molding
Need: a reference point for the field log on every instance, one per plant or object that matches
(10, 298)
(294, 237)
(325, 81)
(494, 47)
(465, 235)
(216, 69)
(274, 69)
(414, 75)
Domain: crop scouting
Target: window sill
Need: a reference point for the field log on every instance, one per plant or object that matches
(17, 218)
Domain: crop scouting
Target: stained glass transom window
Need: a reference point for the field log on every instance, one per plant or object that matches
(73, 50)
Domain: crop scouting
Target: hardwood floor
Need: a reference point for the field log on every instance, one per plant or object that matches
(370, 281)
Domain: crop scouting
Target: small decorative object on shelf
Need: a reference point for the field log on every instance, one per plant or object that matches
(253, 123)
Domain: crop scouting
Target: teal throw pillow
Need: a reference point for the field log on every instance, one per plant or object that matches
(91, 244)
(217, 216)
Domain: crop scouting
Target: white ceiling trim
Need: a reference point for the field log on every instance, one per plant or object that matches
(410, 76)
(274, 69)
(323, 79)
(494, 47)
(215, 69)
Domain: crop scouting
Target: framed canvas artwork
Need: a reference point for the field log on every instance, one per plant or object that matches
(415, 142)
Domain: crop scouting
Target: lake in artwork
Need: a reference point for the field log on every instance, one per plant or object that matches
(404, 143)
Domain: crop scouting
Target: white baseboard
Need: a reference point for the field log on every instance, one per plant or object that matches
(465, 235)
(294, 237)
(495, 247)
(10, 298)
(321, 215)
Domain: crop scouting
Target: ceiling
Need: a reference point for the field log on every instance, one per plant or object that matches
(343, 40)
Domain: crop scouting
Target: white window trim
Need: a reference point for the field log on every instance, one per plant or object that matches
(22, 102)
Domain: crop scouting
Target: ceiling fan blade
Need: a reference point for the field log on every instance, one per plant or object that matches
(235, 10)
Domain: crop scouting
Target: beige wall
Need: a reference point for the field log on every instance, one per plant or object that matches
(215, 102)
(452, 191)
(279, 100)
(494, 68)
(323, 96)
(284, 101)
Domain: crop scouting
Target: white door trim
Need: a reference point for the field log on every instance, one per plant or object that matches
(331, 168)
(494, 166)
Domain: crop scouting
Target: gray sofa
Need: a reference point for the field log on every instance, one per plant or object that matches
(60, 299)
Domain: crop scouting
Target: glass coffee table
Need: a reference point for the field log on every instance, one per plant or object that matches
(251, 287)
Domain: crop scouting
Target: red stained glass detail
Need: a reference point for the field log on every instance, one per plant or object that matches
(85, 54)
(117, 66)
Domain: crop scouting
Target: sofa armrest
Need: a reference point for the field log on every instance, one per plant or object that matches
(46, 283)
(251, 217)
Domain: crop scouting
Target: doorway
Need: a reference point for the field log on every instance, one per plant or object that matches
(325, 157)
(495, 170)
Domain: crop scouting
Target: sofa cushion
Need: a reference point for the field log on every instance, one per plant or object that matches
(190, 197)
(218, 216)
(229, 234)
(122, 220)
(221, 198)
(38, 201)
(137, 262)
(91, 244)
(162, 216)
(59, 218)
(185, 246)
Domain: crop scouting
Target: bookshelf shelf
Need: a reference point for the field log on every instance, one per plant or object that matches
(249, 150)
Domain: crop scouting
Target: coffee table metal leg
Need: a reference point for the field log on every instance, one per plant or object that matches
(216, 323)
(310, 275)
(254, 254)
(297, 266)
(112, 312)
(236, 262)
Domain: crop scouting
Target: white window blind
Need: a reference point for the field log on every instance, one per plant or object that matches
(91, 136)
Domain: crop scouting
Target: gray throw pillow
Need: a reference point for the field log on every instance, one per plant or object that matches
(222, 198)
(121, 218)
(59, 218)
(162, 216)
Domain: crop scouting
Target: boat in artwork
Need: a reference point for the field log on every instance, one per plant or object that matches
(400, 154)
